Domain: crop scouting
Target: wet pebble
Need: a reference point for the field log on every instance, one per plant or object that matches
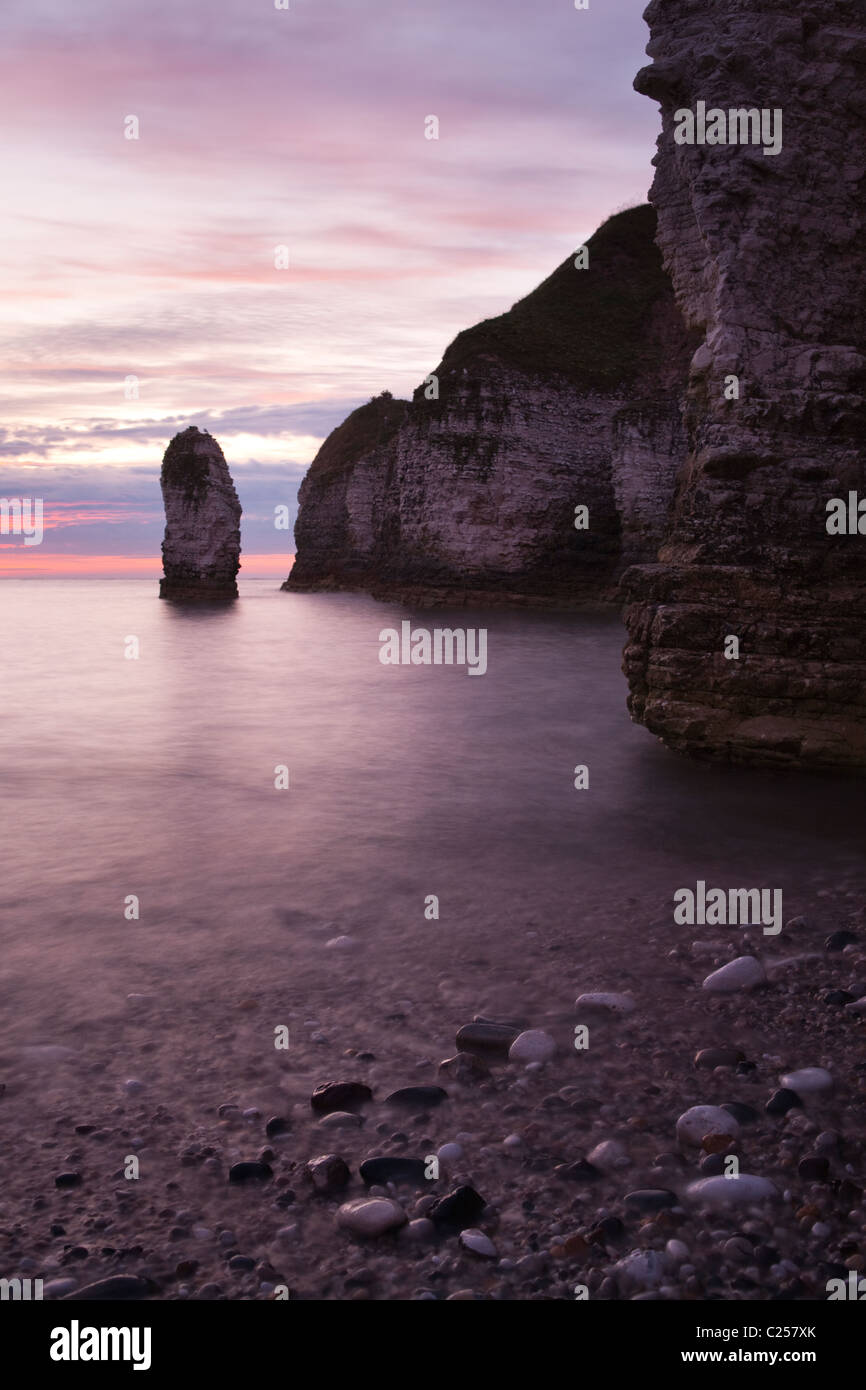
(250, 1172)
(340, 1096)
(782, 1101)
(417, 1097)
(371, 1216)
(460, 1208)
(532, 1046)
(745, 973)
(328, 1172)
(478, 1243)
(808, 1081)
(702, 1120)
(394, 1168)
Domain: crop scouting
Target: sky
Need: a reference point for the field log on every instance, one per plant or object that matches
(139, 278)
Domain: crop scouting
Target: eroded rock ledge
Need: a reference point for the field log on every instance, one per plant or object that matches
(768, 261)
(201, 549)
(571, 398)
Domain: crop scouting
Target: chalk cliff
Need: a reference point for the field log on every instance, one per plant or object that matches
(570, 399)
(201, 549)
(767, 254)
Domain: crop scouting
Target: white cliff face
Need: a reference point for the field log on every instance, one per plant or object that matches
(570, 400)
(201, 549)
(766, 254)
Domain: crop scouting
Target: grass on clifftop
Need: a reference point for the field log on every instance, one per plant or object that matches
(588, 326)
(367, 428)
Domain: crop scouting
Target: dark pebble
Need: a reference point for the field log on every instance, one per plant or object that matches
(118, 1286)
(208, 1292)
(609, 1228)
(486, 1037)
(766, 1255)
(458, 1209)
(579, 1171)
(340, 1095)
(838, 940)
(241, 1263)
(276, 1125)
(782, 1101)
(743, 1114)
(411, 1096)
(72, 1179)
(838, 996)
(250, 1172)
(746, 1068)
(651, 1199)
(814, 1168)
(719, 1057)
(713, 1165)
(328, 1172)
(58, 1230)
(554, 1102)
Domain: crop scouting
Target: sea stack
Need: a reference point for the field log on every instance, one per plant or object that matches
(201, 550)
(533, 465)
(765, 242)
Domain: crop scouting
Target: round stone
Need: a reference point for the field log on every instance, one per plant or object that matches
(781, 1102)
(808, 1081)
(743, 1190)
(693, 1124)
(449, 1153)
(650, 1199)
(371, 1216)
(719, 1057)
(340, 1119)
(478, 1243)
(532, 1046)
(640, 1269)
(838, 940)
(608, 1155)
(340, 1095)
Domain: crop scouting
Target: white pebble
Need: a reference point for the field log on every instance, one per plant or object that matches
(677, 1250)
(449, 1153)
(808, 1081)
(722, 1192)
(640, 1269)
(478, 1243)
(609, 1154)
(693, 1124)
(371, 1216)
(744, 973)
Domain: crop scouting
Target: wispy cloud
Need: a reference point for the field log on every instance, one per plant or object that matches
(154, 258)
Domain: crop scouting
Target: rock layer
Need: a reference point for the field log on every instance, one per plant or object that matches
(572, 398)
(766, 254)
(201, 549)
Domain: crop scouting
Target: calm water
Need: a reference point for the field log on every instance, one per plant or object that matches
(156, 777)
